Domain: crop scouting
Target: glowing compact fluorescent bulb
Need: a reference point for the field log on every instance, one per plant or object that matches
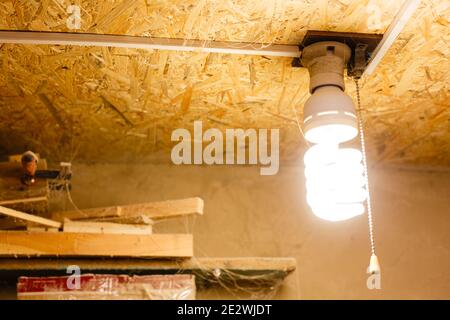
(335, 180)
(335, 185)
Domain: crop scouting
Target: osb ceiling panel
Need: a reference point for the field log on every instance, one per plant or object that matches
(119, 104)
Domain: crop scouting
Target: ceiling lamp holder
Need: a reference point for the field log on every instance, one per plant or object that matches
(336, 181)
(326, 62)
(329, 113)
(358, 59)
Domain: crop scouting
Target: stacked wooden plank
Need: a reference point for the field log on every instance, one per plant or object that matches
(91, 232)
(119, 231)
(98, 235)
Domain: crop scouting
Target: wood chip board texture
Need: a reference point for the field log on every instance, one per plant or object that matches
(105, 103)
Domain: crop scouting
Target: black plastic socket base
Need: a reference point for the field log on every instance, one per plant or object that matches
(354, 40)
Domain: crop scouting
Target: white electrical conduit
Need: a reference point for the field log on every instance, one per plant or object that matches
(86, 39)
(397, 25)
(100, 40)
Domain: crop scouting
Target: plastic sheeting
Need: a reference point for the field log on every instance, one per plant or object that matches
(107, 287)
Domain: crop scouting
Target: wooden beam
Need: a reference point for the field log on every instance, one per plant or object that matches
(29, 217)
(64, 244)
(32, 228)
(100, 40)
(157, 266)
(139, 219)
(105, 227)
(153, 210)
(24, 200)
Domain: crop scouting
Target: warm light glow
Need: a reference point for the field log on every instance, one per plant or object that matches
(334, 182)
(329, 116)
(331, 132)
(338, 212)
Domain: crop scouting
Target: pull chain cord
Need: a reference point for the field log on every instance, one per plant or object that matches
(374, 266)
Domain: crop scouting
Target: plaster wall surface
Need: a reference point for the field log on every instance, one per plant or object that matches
(251, 215)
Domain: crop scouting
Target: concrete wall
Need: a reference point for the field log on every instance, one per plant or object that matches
(251, 215)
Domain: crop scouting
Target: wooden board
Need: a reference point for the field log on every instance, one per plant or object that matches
(33, 228)
(22, 201)
(121, 265)
(139, 219)
(22, 243)
(29, 217)
(105, 227)
(153, 210)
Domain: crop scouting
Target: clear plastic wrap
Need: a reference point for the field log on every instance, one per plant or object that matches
(107, 287)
